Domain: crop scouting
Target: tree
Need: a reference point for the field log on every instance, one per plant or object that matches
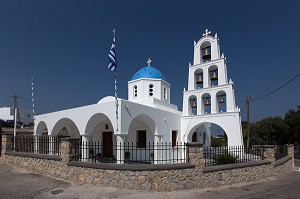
(272, 130)
(292, 120)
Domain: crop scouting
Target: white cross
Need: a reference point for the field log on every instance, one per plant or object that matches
(149, 62)
(206, 32)
(114, 31)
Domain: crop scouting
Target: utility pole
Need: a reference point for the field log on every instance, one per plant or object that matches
(0, 130)
(248, 100)
(15, 118)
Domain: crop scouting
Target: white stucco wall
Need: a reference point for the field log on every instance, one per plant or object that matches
(91, 119)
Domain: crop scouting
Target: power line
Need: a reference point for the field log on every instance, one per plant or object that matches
(7, 96)
(243, 107)
(266, 95)
(27, 100)
(39, 102)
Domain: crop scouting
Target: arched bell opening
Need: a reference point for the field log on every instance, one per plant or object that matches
(221, 102)
(205, 51)
(198, 78)
(206, 99)
(192, 105)
(213, 76)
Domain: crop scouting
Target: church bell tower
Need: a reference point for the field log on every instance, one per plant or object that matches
(210, 95)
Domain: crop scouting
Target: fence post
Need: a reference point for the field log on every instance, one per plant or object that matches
(51, 145)
(67, 149)
(290, 150)
(37, 139)
(195, 155)
(7, 143)
(120, 148)
(269, 153)
(85, 147)
(157, 153)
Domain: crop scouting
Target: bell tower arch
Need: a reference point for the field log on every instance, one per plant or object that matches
(209, 90)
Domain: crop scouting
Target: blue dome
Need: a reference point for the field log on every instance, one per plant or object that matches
(148, 72)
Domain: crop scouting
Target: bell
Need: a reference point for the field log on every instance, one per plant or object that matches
(207, 102)
(199, 79)
(206, 54)
(221, 99)
(193, 103)
(214, 75)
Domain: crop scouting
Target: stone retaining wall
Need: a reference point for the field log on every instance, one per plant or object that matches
(152, 177)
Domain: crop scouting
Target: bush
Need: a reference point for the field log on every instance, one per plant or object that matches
(224, 158)
(217, 142)
(127, 155)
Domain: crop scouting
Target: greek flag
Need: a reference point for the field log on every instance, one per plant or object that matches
(112, 57)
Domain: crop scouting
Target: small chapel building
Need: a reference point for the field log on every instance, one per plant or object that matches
(148, 116)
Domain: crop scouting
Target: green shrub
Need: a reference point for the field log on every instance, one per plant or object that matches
(127, 155)
(224, 158)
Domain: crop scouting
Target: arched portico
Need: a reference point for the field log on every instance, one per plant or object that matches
(99, 130)
(65, 123)
(142, 135)
(41, 127)
(140, 123)
(98, 123)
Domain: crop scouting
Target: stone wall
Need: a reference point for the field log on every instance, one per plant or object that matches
(150, 177)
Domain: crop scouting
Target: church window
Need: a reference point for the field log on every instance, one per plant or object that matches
(174, 137)
(194, 137)
(141, 139)
(165, 93)
(135, 91)
(151, 90)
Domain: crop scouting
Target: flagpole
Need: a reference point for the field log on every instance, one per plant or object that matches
(32, 99)
(116, 87)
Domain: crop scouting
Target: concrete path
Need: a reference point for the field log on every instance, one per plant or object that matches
(19, 183)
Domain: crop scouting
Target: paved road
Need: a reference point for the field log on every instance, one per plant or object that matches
(19, 183)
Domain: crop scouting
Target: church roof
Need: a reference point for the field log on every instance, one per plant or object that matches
(148, 72)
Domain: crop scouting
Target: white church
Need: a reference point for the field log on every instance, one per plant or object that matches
(148, 116)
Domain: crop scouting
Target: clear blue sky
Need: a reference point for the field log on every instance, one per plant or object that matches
(64, 45)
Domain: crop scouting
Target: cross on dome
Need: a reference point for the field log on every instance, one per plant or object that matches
(206, 33)
(149, 62)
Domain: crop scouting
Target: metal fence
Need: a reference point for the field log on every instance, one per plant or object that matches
(231, 154)
(129, 153)
(35, 144)
(280, 152)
